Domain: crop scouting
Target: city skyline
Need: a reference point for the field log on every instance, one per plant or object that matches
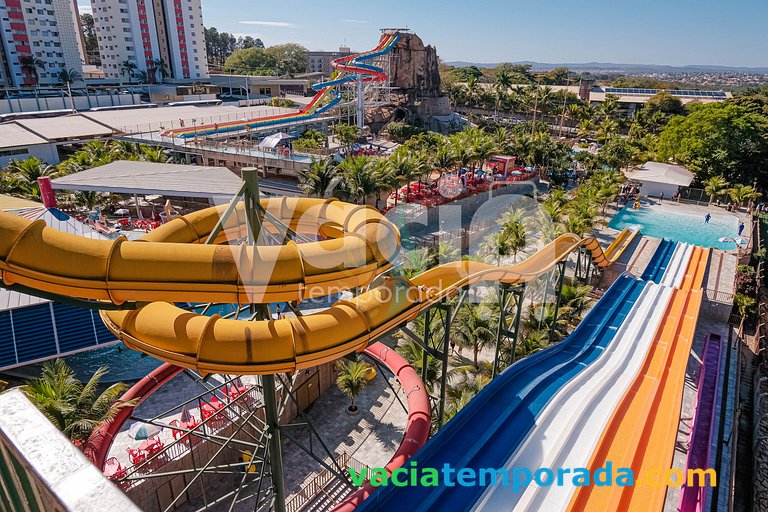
(689, 32)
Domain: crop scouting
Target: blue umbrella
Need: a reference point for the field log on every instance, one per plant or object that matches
(143, 431)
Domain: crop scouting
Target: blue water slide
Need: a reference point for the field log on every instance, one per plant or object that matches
(487, 431)
(659, 261)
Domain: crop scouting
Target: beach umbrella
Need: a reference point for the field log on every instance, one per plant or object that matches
(186, 416)
(121, 211)
(140, 431)
(727, 239)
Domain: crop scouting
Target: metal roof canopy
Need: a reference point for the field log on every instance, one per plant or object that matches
(149, 178)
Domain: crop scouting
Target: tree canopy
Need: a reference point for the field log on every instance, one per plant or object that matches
(250, 61)
(290, 58)
(719, 139)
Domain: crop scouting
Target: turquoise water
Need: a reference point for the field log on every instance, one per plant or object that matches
(679, 227)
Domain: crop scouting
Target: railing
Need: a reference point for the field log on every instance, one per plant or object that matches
(315, 487)
(184, 445)
(718, 296)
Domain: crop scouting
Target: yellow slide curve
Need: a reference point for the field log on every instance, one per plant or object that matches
(172, 263)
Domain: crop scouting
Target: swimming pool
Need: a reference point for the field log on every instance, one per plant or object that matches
(124, 364)
(668, 222)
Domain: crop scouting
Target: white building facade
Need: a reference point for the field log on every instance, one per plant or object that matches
(135, 35)
(39, 41)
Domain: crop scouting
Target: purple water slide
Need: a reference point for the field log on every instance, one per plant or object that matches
(691, 499)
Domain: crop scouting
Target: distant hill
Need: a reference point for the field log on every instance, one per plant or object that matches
(621, 68)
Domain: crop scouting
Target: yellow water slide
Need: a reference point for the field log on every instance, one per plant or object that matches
(174, 264)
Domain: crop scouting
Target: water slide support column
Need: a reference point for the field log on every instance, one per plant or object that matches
(558, 295)
(275, 446)
(506, 293)
(444, 372)
(360, 102)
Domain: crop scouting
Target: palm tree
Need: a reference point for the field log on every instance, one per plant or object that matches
(495, 246)
(575, 297)
(353, 377)
(514, 233)
(155, 154)
(31, 64)
(123, 150)
(70, 76)
(321, 179)
(532, 342)
(741, 194)
(445, 158)
(361, 178)
(472, 86)
(714, 187)
(127, 68)
(160, 67)
(87, 198)
(403, 170)
(502, 85)
(25, 174)
(74, 407)
(475, 330)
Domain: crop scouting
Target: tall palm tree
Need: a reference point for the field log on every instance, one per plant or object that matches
(494, 247)
(70, 76)
(516, 238)
(475, 330)
(321, 179)
(502, 84)
(445, 158)
(714, 187)
(160, 67)
(353, 377)
(74, 407)
(359, 177)
(31, 64)
(127, 68)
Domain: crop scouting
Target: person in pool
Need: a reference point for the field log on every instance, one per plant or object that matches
(741, 228)
(706, 218)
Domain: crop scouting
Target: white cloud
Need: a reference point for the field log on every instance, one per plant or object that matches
(353, 21)
(84, 8)
(282, 24)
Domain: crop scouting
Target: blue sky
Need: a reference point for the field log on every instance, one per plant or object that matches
(675, 32)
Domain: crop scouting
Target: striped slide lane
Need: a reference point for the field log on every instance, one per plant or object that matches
(567, 431)
(488, 430)
(642, 430)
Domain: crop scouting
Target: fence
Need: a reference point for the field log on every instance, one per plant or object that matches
(310, 491)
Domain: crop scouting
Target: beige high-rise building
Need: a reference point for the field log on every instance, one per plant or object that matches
(39, 41)
(135, 35)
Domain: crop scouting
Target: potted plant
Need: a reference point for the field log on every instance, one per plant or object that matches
(353, 377)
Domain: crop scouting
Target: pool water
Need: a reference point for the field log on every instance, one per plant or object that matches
(124, 365)
(661, 222)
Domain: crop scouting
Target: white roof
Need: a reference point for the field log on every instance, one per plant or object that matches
(14, 135)
(657, 172)
(65, 127)
(143, 178)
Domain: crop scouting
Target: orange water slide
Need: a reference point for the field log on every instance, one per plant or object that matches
(642, 431)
